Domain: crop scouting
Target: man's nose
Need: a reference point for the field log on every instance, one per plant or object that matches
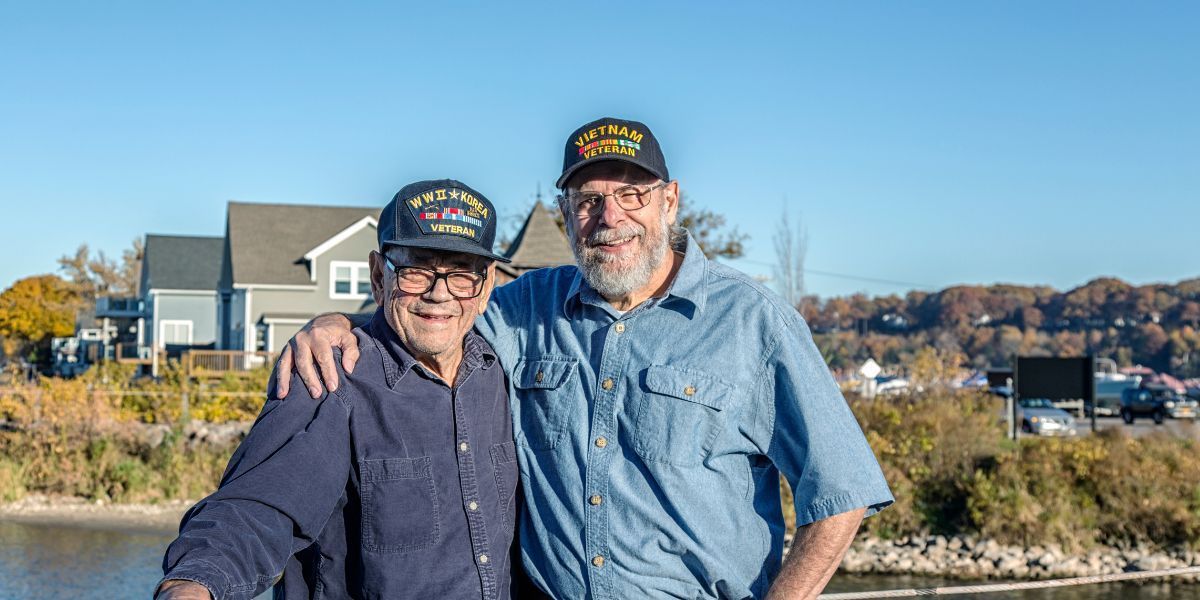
(440, 292)
(612, 214)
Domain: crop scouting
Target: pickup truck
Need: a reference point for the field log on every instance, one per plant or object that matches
(1157, 403)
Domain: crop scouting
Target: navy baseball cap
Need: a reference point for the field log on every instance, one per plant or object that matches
(441, 214)
(613, 139)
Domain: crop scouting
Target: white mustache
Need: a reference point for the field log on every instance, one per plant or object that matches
(605, 236)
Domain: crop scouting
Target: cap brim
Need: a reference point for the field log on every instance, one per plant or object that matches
(562, 179)
(448, 244)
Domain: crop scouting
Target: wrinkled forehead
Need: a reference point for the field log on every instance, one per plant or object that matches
(424, 257)
(609, 171)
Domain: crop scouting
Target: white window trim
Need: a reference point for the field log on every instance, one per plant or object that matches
(162, 328)
(354, 266)
(271, 322)
(341, 236)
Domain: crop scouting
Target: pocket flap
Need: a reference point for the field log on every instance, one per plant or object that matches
(504, 452)
(383, 469)
(687, 385)
(543, 373)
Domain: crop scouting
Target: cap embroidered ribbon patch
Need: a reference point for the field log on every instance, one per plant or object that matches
(450, 211)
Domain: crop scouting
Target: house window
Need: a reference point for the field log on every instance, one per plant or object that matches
(174, 332)
(349, 280)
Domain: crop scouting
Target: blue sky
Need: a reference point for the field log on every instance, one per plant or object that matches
(922, 144)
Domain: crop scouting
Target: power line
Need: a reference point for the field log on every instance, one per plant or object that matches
(846, 275)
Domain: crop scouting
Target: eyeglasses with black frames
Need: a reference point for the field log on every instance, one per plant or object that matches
(590, 204)
(463, 285)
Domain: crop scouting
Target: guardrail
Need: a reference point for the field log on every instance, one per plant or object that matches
(135, 354)
(218, 363)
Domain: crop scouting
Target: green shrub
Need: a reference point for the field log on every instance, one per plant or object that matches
(929, 447)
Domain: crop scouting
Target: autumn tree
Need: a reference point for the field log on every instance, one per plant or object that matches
(708, 228)
(93, 275)
(933, 367)
(36, 309)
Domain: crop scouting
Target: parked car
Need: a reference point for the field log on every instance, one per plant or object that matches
(1157, 403)
(1039, 416)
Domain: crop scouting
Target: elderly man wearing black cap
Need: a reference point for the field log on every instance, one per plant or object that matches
(402, 485)
(658, 397)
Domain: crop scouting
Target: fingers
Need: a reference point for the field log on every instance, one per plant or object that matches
(283, 372)
(349, 352)
(328, 367)
(306, 368)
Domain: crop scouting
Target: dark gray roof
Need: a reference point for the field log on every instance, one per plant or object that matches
(267, 242)
(181, 262)
(540, 242)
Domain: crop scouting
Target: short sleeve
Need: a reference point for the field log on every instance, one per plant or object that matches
(814, 439)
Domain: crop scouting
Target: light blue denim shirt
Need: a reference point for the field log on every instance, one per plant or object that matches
(650, 443)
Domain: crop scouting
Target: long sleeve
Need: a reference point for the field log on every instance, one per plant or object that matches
(280, 488)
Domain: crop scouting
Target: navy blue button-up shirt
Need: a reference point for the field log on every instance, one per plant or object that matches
(397, 486)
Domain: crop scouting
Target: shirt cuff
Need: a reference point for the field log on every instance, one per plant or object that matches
(823, 508)
(207, 579)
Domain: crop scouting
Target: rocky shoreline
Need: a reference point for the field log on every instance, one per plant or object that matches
(965, 557)
(40, 509)
(956, 557)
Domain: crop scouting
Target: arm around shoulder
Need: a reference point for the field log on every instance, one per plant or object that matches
(311, 349)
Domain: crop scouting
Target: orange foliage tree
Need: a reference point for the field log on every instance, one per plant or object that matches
(36, 309)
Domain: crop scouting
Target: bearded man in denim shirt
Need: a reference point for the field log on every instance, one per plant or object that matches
(402, 483)
(657, 396)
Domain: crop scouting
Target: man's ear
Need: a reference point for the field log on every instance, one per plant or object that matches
(671, 197)
(377, 278)
(489, 285)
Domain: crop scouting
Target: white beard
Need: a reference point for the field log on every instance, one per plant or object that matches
(616, 277)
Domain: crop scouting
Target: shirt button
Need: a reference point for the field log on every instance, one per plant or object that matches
(463, 447)
(689, 391)
(596, 500)
(473, 505)
(601, 442)
(620, 328)
(539, 377)
(607, 384)
(598, 561)
(483, 558)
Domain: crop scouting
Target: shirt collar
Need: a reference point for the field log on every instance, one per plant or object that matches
(398, 361)
(690, 282)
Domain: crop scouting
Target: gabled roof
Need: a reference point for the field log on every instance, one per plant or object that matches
(540, 243)
(267, 242)
(181, 262)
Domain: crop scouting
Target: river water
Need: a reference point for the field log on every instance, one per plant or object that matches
(46, 562)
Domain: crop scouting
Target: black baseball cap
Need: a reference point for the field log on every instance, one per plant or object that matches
(441, 214)
(613, 139)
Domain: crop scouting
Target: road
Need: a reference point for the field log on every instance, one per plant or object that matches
(1182, 428)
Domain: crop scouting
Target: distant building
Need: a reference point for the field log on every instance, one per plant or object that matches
(285, 263)
(178, 290)
(539, 244)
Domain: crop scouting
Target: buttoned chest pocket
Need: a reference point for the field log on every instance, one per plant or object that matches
(545, 394)
(679, 414)
(399, 505)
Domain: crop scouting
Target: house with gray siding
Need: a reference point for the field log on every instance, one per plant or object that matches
(283, 264)
(178, 289)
